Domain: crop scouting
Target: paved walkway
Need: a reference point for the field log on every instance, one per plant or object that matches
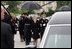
(19, 44)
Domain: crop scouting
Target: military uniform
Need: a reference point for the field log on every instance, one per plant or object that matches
(42, 25)
(27, 30)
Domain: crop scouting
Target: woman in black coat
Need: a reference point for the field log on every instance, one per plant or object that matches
(35, 27)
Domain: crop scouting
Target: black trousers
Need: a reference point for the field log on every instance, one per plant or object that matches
(27, 35)
(21, 32)
(42, 31)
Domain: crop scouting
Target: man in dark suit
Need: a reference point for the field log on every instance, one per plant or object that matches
(6, 36)
(21, 28)
(7, 40)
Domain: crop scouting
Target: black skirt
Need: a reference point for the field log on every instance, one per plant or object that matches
(35, 34)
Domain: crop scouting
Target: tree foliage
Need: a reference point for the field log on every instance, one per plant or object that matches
(50, 12)
(12, 6)
(63, 3)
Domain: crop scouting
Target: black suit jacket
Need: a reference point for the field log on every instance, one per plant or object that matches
(7, 40)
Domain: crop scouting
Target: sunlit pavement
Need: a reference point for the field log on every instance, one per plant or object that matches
(19, 44)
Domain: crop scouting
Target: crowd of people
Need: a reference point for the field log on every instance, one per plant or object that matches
(28, 27)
